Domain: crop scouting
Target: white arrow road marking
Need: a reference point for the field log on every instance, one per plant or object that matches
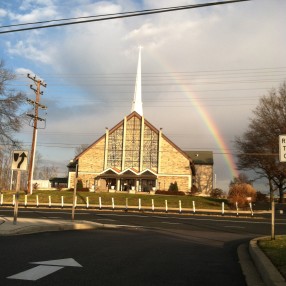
(45, 268)
(59, 262)
(36, 272)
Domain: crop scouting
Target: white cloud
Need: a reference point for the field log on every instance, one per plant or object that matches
(30, 4)
(3, 12)
(35, 15)
(23, 72)
(29, 50)
(98, 61)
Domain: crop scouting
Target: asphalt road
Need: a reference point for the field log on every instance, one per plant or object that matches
(246, 225)
(123, 257)
(153, 249)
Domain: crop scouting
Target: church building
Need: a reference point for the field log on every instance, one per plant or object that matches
(133, 156)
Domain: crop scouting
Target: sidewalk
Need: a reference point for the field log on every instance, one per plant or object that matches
(26, 225)
(251, 258)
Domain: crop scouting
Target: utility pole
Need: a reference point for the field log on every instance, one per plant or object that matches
(35, 117)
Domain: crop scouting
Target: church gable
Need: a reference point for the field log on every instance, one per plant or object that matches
(135, 155)
(131, 147)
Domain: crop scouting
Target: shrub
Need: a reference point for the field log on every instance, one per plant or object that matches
(216, 193)
(79, 184)
(260, 197)
(173, 187)
(240, 193)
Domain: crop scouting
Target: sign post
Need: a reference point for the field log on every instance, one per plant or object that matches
(74, 191)
(19, 163)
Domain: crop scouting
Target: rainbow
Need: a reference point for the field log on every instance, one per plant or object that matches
(213, 129)
(203, 113)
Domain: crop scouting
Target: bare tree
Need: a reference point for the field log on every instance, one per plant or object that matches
(38, 163)
(11, 120)
(48, 172)
(10, 103)
(241, 178)
(258, 147)
(80, 149)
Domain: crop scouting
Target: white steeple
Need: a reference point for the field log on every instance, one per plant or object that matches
(137, 100)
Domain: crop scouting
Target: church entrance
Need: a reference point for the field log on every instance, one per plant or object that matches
(127, 184)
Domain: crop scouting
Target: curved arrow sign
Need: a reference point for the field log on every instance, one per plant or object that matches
(20, 160)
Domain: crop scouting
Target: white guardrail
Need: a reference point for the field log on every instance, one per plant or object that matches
(147, 208)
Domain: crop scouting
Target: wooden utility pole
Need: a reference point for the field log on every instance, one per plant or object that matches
(35, 117)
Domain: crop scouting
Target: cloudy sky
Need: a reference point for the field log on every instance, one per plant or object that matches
(203, 70)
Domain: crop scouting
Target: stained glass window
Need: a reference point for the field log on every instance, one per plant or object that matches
(132, 143)
(114, 159)
(150, 152)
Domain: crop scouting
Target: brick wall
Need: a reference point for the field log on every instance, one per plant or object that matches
(93, 159)
(183, 182)
(172, 161)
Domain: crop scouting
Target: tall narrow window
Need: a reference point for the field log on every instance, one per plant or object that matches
(150, 149)
(132, 143)
(115, 143)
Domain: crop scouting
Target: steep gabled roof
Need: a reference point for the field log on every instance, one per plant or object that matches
(201, 157)
(134, 113)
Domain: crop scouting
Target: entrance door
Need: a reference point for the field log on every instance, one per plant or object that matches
(147, 185)
(127, 184)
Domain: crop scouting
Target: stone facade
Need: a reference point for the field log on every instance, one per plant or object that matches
(174, 167)
(203, 162)
(133, 154)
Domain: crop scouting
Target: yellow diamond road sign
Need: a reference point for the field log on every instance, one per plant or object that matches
(20, 160)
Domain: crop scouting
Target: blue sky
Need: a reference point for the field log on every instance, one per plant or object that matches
(225, 56)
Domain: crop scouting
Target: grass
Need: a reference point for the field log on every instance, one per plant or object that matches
(119, 199)
(276, 251)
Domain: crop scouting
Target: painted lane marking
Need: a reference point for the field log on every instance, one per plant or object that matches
(130, 226)
(234, 226)
(125, 215)
(60, 262)
(166, 222)
(45, 268)
(36, 273)
(107, 219)
(48, 212)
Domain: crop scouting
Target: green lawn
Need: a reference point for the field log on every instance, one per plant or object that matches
(119, 199)
(276, 251)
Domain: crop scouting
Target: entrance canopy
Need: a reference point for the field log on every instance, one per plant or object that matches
(127, 174)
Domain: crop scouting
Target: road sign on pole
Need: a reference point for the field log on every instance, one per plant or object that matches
(20, 160)
(282, 148)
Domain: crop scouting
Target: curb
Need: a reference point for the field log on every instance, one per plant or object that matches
(248, 268)
(270, 275)
(59, 226)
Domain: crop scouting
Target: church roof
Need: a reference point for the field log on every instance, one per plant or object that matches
(134, 113)
(201, 157)
(137, 110)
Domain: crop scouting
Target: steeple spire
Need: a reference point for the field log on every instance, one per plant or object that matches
(137, 100)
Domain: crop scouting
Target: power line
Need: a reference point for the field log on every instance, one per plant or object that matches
(227, 71)
(87, 17)
(125, 15)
